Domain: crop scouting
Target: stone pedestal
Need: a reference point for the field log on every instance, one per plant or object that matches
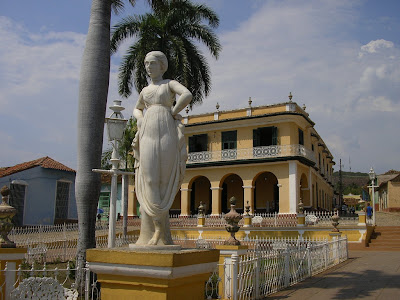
(334, 236)
(228, 268)
(362, 218)
(301, 220)
(158, 274)
(13, 258)
(201, 221)
(247, 221)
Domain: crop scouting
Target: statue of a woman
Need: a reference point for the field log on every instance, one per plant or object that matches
(159, 150)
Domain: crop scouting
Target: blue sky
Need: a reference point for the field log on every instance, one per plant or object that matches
(340, 58)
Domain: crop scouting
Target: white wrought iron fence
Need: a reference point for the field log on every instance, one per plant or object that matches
(276, 220)
(270, 265)
(324, 218)
(41, 282)
(264, 272)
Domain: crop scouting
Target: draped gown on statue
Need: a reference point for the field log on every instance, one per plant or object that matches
(159, 151)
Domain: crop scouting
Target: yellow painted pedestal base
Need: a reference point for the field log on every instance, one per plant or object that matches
(159, 275)
(301, 220)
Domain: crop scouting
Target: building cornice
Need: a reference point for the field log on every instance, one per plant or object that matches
(285, 113)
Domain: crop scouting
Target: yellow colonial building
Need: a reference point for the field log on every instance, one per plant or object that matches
(269, 157)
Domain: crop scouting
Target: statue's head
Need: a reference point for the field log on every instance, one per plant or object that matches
(161, 58)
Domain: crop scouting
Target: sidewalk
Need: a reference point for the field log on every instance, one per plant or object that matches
(365, 275)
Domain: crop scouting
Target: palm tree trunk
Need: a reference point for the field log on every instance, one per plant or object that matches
(93, 90)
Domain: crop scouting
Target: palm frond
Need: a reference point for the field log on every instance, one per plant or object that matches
(173, 27)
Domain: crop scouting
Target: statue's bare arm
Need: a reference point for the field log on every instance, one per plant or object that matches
(184, 96)
(138, 110)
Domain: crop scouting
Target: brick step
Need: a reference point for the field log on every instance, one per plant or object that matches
(386, 236)
(388, 228)
(377, 231)
(384, 245)
(383, 248)
(377, 243)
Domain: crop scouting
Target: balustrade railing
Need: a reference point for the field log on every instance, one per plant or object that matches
(251, 153)
(275, 220)
(59, 242)
(324, 218)
(270, 265)
(268, 270)
(43, 282)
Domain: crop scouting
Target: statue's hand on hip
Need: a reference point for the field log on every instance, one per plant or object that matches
(178, 117)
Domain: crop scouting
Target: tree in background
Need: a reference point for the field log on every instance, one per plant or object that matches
(125, 148)
(93, 91)
(173, 28)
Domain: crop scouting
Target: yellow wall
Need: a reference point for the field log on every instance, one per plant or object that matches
(269, 110)
(287, 126)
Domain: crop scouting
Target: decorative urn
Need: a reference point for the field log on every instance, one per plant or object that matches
(232, 219)
(335, 221)
(201, 209)
(7, 212)
(247, 208)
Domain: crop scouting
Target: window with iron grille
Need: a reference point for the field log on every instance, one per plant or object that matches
(17, 200)
(229, 139)
(265, 136)
(198, 143)
(62, 198)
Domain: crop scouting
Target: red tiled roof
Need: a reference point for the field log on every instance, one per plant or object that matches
(44, 162)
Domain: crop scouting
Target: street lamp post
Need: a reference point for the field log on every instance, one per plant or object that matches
(372, 176)
(115, 128)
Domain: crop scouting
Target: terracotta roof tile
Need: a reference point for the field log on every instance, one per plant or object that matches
(44, 162)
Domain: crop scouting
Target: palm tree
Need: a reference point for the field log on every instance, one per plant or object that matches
(93, 90)
(172, 28)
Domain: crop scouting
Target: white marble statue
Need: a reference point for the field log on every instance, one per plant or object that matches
(159, 150)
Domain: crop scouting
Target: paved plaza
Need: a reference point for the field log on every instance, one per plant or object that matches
(365, 275)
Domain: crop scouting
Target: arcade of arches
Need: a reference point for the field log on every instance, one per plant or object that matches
(265, 188)
(277, 189)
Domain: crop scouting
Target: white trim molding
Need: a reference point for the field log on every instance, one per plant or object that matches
(152, 271)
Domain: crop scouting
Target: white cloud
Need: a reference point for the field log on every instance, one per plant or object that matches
(297, 46)
(39, 82)
(375, 46)
(350, 89)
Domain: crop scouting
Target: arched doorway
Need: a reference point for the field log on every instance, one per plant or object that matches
(176, 205)
(201, 191)
(266, 193)
(232, 185)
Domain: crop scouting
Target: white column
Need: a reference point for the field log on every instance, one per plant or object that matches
(113, 211)
(293, 187)
(10, 277)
